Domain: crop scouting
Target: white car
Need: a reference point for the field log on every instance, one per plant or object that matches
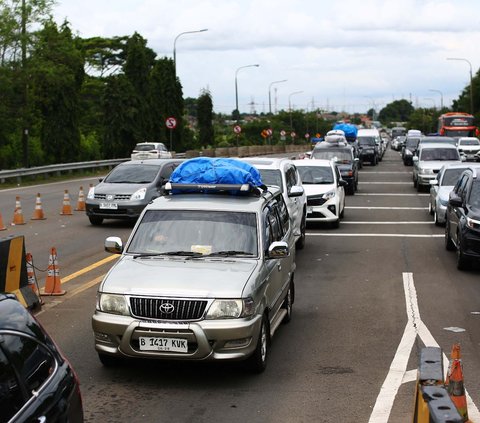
(440, 189)
(325, 190)
(283, 173)
(150, 150)
(468, 147)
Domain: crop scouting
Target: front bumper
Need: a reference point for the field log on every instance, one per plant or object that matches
(326, 212)
(226, 339)
(471, 243)
(124, 210)
(425, 178)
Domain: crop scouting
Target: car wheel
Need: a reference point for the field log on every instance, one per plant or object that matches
(415, 183)
(463, 262)
(336, 224)
(288, 302)
(430, 208)
(419, 187)
(109, 360)
(435, 219)
(300, 244)
(257, 362)
(449, 245)
(342, 213)
(95, 220)
(351, 189)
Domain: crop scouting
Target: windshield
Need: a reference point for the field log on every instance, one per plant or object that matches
(316, 174)
(144, 147)
(475, 194)
(450, 177)
(469, 142)
(459, 133)
(271, 177)
(184, 232)
(366, 141)
(133, 174)
(340, 155)
(429, 154)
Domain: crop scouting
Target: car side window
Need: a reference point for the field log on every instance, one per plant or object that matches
(34, 363)
(284, 216)
(11, 396)
(461, 185)
(290, 177)
(337, 174)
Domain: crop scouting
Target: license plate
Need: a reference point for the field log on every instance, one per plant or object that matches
(148, 343)
(111, 206)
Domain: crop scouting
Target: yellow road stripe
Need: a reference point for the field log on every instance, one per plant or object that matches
(88, 268)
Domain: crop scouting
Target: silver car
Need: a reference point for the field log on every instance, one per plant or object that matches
(202, 277)
(440, 189)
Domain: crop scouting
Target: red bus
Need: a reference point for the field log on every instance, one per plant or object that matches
(457, 124)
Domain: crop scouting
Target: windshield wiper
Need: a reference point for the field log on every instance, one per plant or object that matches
(229, 253)
(168, 253)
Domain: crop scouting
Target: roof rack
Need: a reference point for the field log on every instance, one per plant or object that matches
(177, 188)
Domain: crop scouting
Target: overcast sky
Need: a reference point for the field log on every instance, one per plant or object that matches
(342, 55)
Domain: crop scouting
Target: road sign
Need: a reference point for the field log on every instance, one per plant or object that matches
(307, 135)
(283, 133)
(171, 122)
(269, 132)
(237, 129)
(293, 134)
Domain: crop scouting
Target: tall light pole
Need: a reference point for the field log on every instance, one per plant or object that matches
(236, 85)
(175, 44)
(441, 97)
(471, 79)
(290, 106)
(270, 96)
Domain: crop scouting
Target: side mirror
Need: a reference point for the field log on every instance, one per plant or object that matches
(415, 158)
(296, 191)
(113, 244)
(342, 183)
(463, 158)
(278, 249)
(454, 200)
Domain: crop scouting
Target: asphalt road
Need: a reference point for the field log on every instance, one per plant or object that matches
(369, 296)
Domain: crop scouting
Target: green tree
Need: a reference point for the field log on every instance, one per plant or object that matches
(205, 119)
(396, 111)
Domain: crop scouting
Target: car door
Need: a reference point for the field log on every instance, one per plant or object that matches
(456, 212)
(294, 204)
(340, 190)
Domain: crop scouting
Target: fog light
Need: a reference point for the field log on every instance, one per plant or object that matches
(238, 343)
(103, 337)
(332, 209)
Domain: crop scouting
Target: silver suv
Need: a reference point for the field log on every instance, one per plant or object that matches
(284, 174)
(203, 276)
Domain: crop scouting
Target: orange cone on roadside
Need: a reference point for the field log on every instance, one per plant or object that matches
(18, 214)
(455, 384)
(81, 201)
(2, 226)
(53, 283)
(66, 208)
(38, 212)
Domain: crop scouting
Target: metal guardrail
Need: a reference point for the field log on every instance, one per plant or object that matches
(56, 168)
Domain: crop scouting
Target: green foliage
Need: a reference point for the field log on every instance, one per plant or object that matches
(90, 148)
(397, 111)
(205, 119)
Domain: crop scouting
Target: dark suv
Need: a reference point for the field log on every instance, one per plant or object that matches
(37, 384)
(368, 150)
(462, 230)
(344, 157)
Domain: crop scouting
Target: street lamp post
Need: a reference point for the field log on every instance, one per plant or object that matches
(175, 43)
(290, 106)
(270, 96)
(441, 97)
(471, 79)
(236, 85)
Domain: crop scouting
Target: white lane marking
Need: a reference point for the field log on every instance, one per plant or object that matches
(398, 373)
(388, 173)
(392, 194)
(377, 235)
(410, 376)
(384, 208)
(422, 222)
(384, 183)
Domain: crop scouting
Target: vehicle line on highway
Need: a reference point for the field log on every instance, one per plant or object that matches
(378, 194)
(397, 373)
(384, 183)
(367, 222)
(384, 208)
(376, 235)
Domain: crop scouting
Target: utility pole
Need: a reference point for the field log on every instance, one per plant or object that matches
(24, 86)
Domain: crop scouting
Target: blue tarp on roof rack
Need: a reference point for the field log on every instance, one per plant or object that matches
(350, 130)
(206, 170)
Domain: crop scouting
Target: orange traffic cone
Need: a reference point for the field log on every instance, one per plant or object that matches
(81, 201)
(66, 208)
(454, 383)
(53, 283)
(17, 214)
(2, 226)
(38, 212)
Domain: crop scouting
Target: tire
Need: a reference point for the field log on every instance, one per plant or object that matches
(342, 214)
(109, 360)
(415, 183)
(435, 219)
(288, 302)
(463, 262)
(257, 362)
(430, 209)
(95, 220)
(300, 244)
(351, 189)
(336, 224)
(449, 245)
(419, 187)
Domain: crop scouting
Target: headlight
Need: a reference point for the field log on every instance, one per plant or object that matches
(112, 303)
(328, 195)
(230, 309)
(426, 171)
(139, 195)
(408, 153)
(91, 193)
(473, 224)
(444, 202)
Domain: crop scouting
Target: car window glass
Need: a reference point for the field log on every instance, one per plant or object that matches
(271, 177)
(11, 396)
(166, 171)
(144, 147)
(33, 361)
(450, 176)
(290, 177)
(342, 155)
(316, 174)
(276, 229)
(461, 185)
(284, 216)
(134, 174)
(474, 198)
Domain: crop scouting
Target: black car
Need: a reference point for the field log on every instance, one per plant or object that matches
(128, 188)
(368, 150)
(37, 384)
(409, 150)
(462, 230)
(344, 156)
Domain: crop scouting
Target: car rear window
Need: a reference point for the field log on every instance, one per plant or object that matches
(366, 140)
(428, 154)
(341, 155)
(144, 147)
(133, 174)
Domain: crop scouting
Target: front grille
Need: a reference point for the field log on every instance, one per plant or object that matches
(436, 171)
(315, 201)
(117, 197)
(316, 215)
(149, 308)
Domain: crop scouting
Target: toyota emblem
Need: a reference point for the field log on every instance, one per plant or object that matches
(167, 308)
